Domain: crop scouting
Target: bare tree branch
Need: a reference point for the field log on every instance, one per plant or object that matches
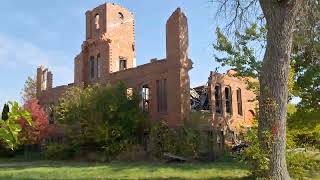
(238, 13)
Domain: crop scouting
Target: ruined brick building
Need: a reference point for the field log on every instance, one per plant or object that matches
(108, 56)
(228, 100)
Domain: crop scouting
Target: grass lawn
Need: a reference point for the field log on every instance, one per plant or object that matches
(119, 170)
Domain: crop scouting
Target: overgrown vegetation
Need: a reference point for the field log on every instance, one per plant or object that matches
(301, 162)
(105, 123)
(36, 133)
(101, 119)
(184, 141)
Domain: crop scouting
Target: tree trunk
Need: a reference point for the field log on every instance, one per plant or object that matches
(280, 16)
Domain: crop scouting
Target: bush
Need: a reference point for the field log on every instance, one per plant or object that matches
(133, 153)
(182, 142)
(301, 165)
(6, 153)
(101, 119)
(38, 131)
(256, 159)
(57, 151)
(304, 127)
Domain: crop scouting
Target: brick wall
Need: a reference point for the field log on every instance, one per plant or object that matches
(111, 37)
(234, 120)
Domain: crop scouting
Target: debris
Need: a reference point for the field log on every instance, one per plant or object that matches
(173, 158)
(199, 97)
(239, 148)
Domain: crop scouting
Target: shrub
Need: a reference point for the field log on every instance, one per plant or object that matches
(38, 132)
(101, 118)
(10, 128)
(57, 151)
(301, 165)
(6, 153)
(183, 142)
(133, 153)
(305, 134)
(256, 159)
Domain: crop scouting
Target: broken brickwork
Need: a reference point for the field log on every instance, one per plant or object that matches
(229, 101)
(108, 57)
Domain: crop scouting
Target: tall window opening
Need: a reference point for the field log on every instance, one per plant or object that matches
(228, 96)
(122, 64)
(145, 98)
(239, 102)
(218, 98)
(98, 66)
(161, 86)
(96, 21)
(91, 67)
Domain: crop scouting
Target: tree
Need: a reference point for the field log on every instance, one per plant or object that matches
(10, 129)
(306, 56)
(36, 133)
(239, 55)
(102, 118)
(280, 17)
(5, 112)
(30, 90)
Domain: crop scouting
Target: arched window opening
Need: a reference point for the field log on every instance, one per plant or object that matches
(145, 98)
(96, 21)
(218, 98)
(91, 67)
(121, 16)
(250, 115)
(228, 96)
(239, 102)
(98, 66)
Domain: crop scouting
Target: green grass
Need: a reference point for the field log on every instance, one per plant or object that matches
(119, 170)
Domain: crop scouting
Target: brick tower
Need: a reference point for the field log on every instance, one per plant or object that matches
(109, 46)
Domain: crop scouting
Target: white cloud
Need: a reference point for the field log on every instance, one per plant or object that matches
(18, 53)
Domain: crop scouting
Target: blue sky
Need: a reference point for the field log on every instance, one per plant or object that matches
(36, 32)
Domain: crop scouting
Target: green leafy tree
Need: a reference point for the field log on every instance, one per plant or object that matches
(30, 90)
(241, 55)
(306, 56)
(244, 55)
(10, 128)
